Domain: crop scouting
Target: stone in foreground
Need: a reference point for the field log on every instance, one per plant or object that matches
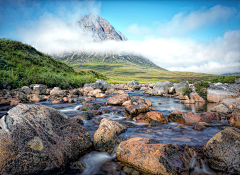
(222, 151)
(37, 139)
(104, 137)
(165, 159)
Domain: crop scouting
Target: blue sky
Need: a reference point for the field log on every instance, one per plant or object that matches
(193, 29)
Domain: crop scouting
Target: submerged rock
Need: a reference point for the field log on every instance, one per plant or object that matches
(38, 139)
(221, 109)
(222, 151)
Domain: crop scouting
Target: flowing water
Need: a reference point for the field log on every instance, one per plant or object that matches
(103, 163)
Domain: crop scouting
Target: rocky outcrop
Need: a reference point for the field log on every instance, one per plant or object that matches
(219, 92)
(100, 27)
(222, 151)
(166, 159)
(38, 139)
(105, 136)
(161, 88)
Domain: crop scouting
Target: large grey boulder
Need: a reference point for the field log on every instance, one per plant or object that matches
(222, 151)
(38, 88)
(161, 88)
(99, 84)
(57, 92)
(134, 84)
(180, 86)
(219, 92)
(26, 90)
(35, 139)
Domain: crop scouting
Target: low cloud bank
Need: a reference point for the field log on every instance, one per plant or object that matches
(221, 55)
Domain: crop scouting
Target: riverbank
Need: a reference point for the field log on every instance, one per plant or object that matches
(162, 121)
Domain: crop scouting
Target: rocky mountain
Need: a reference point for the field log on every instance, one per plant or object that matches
(102, 30)
(100, 27)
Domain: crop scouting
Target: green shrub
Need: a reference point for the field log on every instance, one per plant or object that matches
(187, 91)
(201, 89)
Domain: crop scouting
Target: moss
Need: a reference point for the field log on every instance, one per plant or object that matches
(201, 89)
(186, 91)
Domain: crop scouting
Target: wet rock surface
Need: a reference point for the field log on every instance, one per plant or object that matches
(36, 139)
(222, 151)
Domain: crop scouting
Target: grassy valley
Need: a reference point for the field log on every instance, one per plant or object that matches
(125, 72)
(22, 65)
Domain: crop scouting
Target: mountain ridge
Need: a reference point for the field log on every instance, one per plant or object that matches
(102, 30)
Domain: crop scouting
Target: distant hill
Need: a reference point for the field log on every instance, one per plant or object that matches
(102, 30)
(22, 65)
(236, 73)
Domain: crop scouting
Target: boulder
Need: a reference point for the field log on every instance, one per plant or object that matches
(190, 118)
(166, 159)
(133, 84)
(222, 151)
(21, 96)
(26, 90)
(14, 102)
(94, 92)
(200, 126)
(180, 86)
(196, 97)
(105, 136)
(235, 119)
(90, 106)
(84, 115)
(37, 139)
(105, 85)
(35, 98)
(157, 116)
(38, 89)
(136, 100)
(231, 103)
(57, 92)
(57, 101)
(161, 88)
(75, 92)
(118, 99)
(136, 109)
(220, 109)
(219, 92)
(99, 84)
(100, 95)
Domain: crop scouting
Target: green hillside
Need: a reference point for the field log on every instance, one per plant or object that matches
(22, 65)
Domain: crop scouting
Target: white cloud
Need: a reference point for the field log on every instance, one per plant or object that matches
(182, 23)
(220, 55)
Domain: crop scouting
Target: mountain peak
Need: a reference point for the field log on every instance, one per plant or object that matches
(101, 29)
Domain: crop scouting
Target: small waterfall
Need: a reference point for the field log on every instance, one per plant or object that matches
(94, 160)
(199, 166)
